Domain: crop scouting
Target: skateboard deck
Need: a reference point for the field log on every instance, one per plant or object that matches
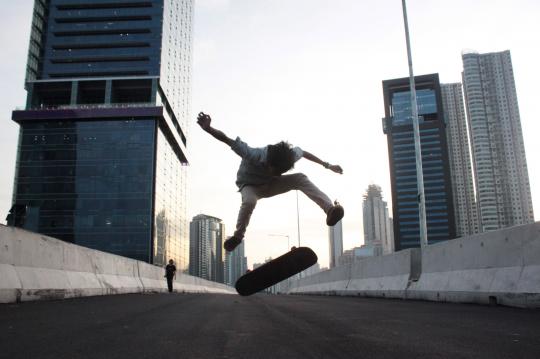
(276, 270)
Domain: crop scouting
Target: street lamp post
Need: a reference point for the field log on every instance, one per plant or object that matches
(416, 131)
(298, 218)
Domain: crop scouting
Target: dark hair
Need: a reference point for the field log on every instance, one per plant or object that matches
(281, 156)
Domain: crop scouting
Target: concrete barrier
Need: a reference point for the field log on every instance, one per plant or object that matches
(496, 267)
(500, 267)
(37, 267)
(384, 276)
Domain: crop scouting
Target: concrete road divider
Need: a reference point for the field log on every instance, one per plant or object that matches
(500, 267)
(37, 267)
(384, 276)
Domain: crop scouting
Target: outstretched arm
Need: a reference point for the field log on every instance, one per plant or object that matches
(204, 121)
(313, 158)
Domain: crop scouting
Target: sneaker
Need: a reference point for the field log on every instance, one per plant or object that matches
(334, 214)
(231, 243)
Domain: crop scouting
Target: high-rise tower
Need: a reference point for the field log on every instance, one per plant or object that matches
(102, 143)
(335, 241)
(397, 125)
(206, 253)
(376, 223)
(235, 264)
(501, 175)
(466, 211)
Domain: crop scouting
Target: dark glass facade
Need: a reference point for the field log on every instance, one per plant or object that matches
(102, 38)
(401, 104)
(435, 163)
(102, 150)
(171, 231)
(90, 182)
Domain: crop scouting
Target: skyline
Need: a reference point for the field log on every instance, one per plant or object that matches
(316, 71)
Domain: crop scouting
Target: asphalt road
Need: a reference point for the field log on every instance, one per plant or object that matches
(264, 326)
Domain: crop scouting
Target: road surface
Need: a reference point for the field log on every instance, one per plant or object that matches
(264, 326)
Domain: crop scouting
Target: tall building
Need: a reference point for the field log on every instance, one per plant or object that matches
(206, 253)
(335, 239)
(466, 211)
(102, 143)
(235, 264)
(377, 221)
(501, 175)
(397, 125)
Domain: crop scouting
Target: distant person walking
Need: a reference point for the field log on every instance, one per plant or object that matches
(170, 274)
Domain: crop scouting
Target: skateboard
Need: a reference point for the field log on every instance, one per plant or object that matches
(276, 270)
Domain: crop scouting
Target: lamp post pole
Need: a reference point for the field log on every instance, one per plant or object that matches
(298, 218)
(417, 145)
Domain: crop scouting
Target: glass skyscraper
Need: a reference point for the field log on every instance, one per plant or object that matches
(397, 125)
(102, 145)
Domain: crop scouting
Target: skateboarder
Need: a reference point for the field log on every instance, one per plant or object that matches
(261, 175)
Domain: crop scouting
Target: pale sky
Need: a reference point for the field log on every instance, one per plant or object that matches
(310, 72)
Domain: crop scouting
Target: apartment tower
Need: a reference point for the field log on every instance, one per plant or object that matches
(206, 253)
(466, 211)
(501, 175)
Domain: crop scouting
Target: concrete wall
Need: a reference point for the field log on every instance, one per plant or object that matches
(382, 276)
(34, 267)
(501, 266)
(496, 267)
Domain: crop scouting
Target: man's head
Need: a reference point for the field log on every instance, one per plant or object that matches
(171, 261)
(280, 157)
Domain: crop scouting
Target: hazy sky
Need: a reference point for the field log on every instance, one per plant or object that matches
(310, 72)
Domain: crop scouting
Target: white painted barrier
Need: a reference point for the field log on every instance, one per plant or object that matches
(36, 267)
(495, 267)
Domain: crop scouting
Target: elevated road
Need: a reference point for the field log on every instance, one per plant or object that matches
(263, 326)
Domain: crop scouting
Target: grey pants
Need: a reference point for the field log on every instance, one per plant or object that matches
(278, 185)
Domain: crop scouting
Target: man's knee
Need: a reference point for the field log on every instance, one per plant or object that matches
(249, 202)
(299, 178)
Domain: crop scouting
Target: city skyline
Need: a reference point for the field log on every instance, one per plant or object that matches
(304, 65)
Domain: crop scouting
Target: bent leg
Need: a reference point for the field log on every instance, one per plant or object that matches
(298, 181)
(249, 201)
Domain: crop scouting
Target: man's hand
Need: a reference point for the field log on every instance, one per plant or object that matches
(204, 121)
(336, 168)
